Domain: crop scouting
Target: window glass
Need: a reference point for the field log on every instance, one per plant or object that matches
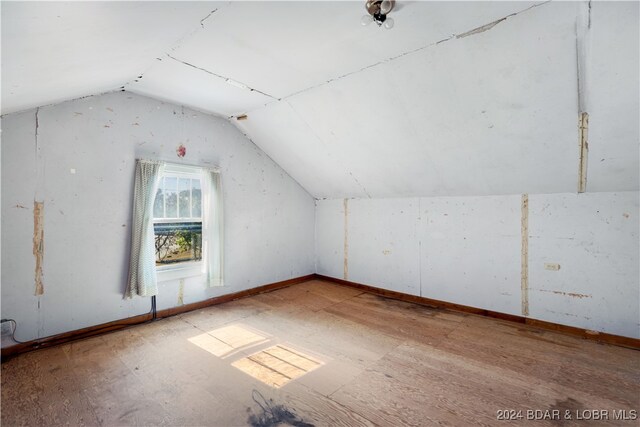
(158, 207)
(178, 219)
(184, 197)
(196, 198)
(177, 242)
(171, 197)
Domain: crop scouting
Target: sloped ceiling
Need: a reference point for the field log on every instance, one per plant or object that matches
(459, 98)
(55, 51)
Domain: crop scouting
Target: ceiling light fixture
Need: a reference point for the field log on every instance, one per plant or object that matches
(378, 10)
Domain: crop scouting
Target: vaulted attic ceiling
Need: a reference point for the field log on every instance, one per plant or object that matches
(459, 98)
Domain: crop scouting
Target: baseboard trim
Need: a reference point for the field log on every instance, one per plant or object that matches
(234, 296)
(602, 337)
(116, 325)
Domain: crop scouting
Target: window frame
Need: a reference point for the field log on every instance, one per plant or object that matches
(184, 269)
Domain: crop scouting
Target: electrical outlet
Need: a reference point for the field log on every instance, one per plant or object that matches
(551, 266)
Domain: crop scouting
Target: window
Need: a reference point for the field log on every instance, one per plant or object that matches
(177, 220)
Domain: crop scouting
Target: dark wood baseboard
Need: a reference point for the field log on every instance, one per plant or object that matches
(116, 325)
(603, 337)
(236, 295)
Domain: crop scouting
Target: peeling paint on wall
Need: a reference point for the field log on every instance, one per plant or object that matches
(568, 294)
(524, 278)
(483, 28)
(551, 266)
(38, 244)
(346, 239)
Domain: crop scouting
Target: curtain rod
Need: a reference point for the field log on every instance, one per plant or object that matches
(214, 168)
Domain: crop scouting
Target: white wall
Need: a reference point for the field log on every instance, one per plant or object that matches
(269, 218)
(483, 118)
(467, 250)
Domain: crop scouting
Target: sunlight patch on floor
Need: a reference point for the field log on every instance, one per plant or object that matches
(277, 365)
(223, 342)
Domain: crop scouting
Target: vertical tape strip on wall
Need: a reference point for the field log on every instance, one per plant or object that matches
(346, 239)
(38, 211)
(38, 244)
(524, 278)
(583, 132)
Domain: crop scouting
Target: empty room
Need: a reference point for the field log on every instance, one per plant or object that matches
(320, 213)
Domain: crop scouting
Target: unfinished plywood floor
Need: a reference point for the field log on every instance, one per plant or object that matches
(317, 354)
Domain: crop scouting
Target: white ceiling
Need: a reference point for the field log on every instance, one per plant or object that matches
(55, 51)
(352, 111)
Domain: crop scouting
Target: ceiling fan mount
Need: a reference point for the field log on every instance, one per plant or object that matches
(378, 11)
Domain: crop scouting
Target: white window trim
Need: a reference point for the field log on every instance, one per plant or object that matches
(179, 271)
(185, 269)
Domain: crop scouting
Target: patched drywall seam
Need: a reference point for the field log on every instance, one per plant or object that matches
(38, 212)
(207, 17)
(39, 160)
(583, 129)
(524, 277)
(419, 234)
(38, 244)
(583, 25)
(346, 239)
(175, 46)
(226, 79)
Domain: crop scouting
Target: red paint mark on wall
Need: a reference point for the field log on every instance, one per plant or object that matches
(181, 151)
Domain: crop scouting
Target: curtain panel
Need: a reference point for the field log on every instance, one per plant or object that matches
(142, 266)
(213, 229)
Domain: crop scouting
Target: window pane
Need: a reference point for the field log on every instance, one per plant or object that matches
(158, 206)
(184, 198)
(178, 242)
(196, 194)
(170, 187)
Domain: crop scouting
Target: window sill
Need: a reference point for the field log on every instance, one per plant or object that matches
(182, 271)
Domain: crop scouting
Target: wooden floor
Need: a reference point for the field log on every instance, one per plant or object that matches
(318, 354)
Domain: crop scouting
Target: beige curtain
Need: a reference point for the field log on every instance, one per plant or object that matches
(142, 264)
(213, 228)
